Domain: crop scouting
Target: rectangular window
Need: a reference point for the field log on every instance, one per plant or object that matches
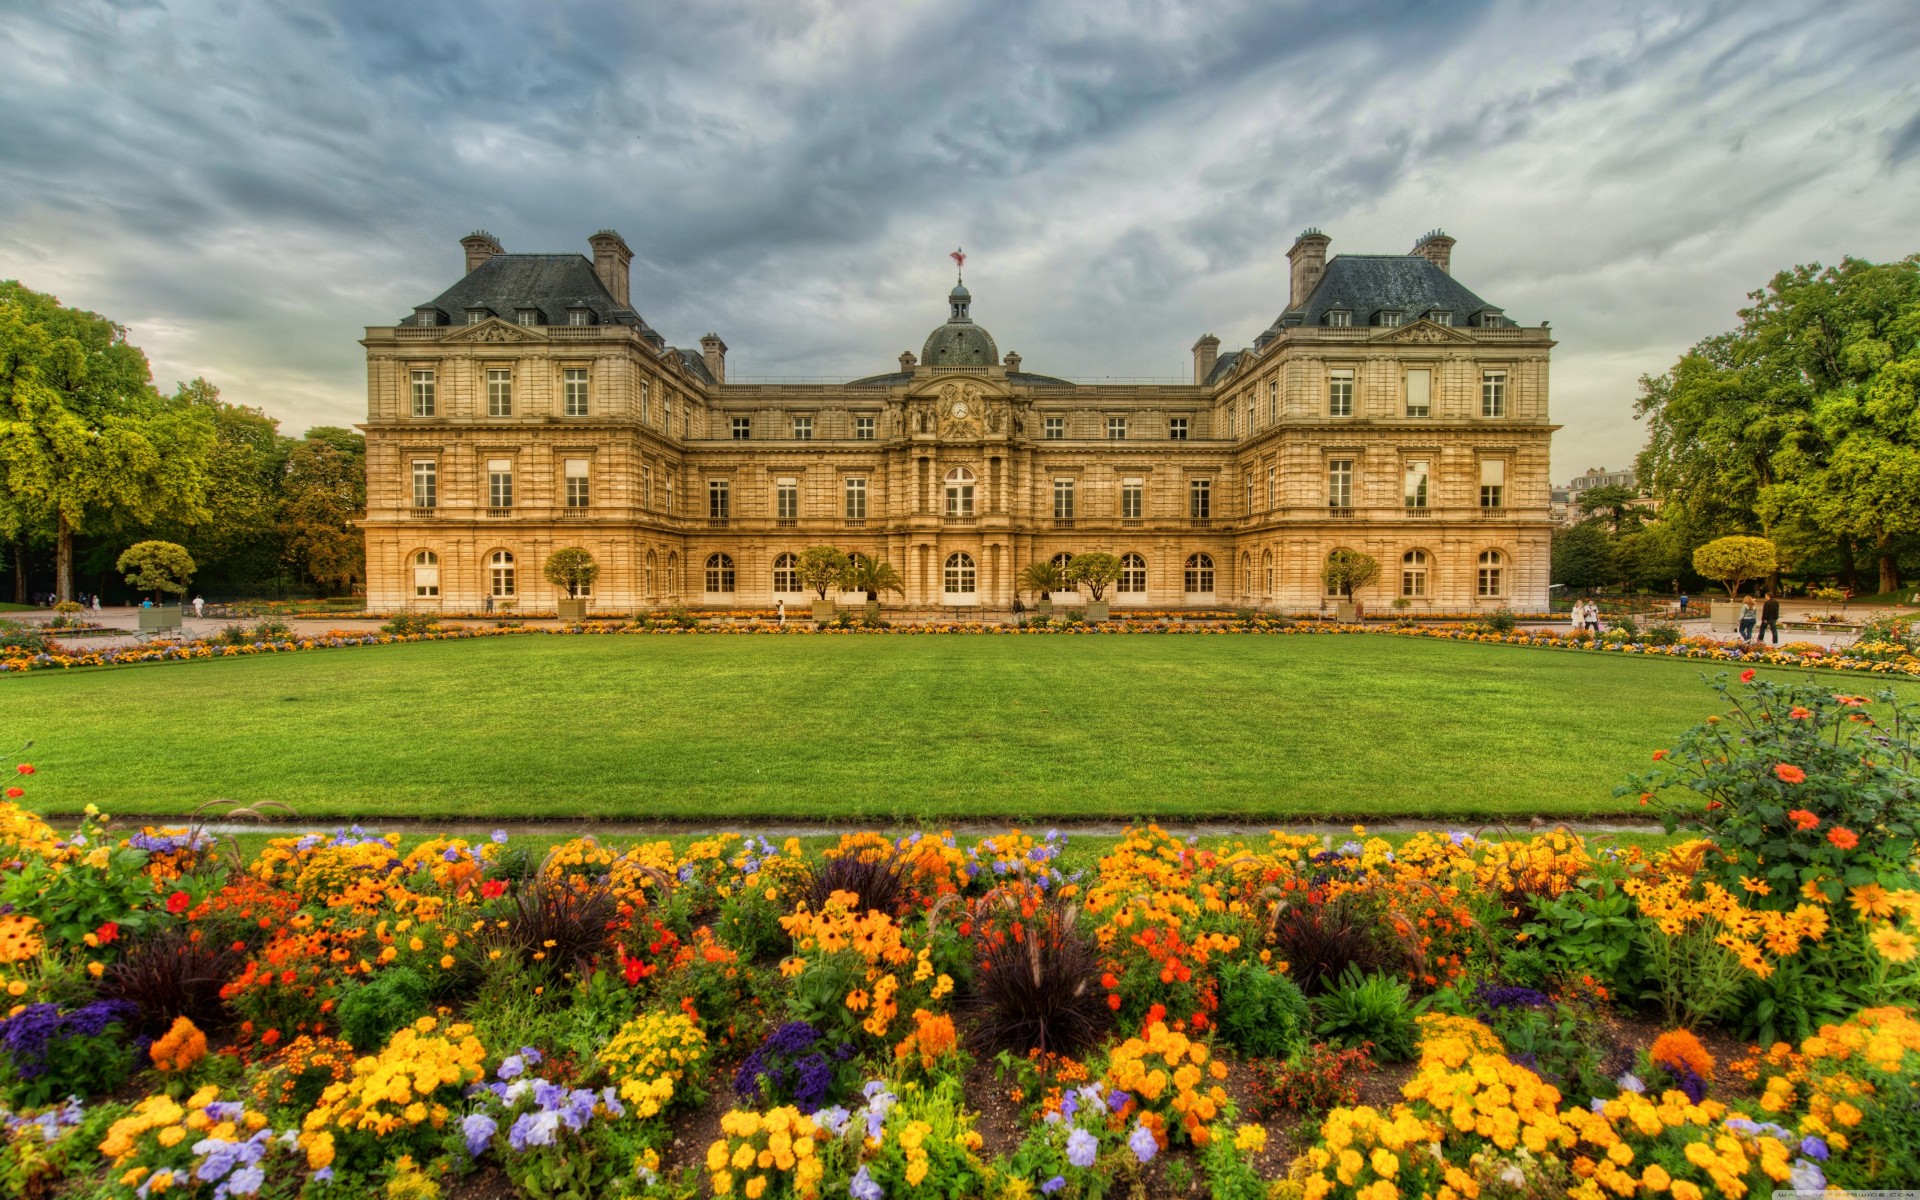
(1442, 316)
(573, 392)
(1200, 499)
(1493, 482)
(426, 491)
(423, 393)
(1340, 483)
(476, 315)
(863, 429)
(1177, 429)
(1132, 495)
(646, 395)
(646, 488)
(578, 494)
(1419, 393)
(1339, 318)
(1273, 487)
(1056, 428)
(1246, 492)
(1116, 429)
(803, 429)
(1063, 499)
(742, 428)
(1273, 402)
(786, 499)
(499, 392)
(578, 316)
(718, 508)
(856, 499)
(500, 483)
(1390, 318)
(1418, 472)
(1229, 418)
(1340, 393)
(1493, 394)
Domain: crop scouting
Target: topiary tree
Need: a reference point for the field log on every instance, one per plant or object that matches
(1097, 569)
(1346, 570)
(157, 567)
(1731, 561)
(823, 568)
(572, 569)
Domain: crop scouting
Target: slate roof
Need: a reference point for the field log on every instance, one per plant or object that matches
(552, 283)
(1222, 366)
(1016, 378)
(1365, 285)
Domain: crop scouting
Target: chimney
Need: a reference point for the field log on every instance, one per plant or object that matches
(1206, 352)
(711, 347)
(1012, 362)
(610, 259)
(906, 362)
(480, 246)
(1309, 261)
(1437, 248)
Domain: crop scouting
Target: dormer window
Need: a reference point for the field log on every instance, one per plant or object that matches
(1441, 316)
(1339, 318)
(527, 316)
(579, 315)
(426, 316)
(1390, 317)
(476, 315)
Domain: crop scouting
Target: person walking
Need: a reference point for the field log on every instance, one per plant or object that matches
(780, 610)
(1748, 615)
(199, 606)
(1683, 603)
(1769, 618)
(1593, 617)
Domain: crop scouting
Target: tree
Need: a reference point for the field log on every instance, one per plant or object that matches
(324, 497)
(86, 444)
(1582, 557)
(1044, 579)
(1346, 570)
(1097, 569)
(1618, 505)
(873, 576)
(573, 569)
(823, 569)
(1731, 561)
(238, 545)
(157, 567)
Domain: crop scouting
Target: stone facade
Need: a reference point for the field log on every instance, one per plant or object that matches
(529, 408)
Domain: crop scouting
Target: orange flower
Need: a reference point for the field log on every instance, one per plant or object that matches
(856, 1000)
(1798, 713)
(1789, 773)
(1802, 819)
(1679, 1048)
(1843, 837)
(1746, 676)
(1659, 754)
(1870, 900)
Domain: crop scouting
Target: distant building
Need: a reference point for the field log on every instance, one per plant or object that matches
(1598, 477)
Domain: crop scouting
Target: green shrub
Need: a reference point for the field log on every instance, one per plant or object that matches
(409, 624)
(1663, 633)
(750, 923)
(25, 636)
(1591, 931)
(1262, 1011)
(1502, 621)
(372, 1012)
(1370, 1009)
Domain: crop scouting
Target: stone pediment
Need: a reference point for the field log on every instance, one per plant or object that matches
(493, 329)
(1422, 333)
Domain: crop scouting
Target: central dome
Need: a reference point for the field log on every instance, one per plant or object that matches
(959, 343)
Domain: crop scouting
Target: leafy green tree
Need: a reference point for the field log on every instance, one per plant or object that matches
(157, 567)
(87, 446)
(324, 496)
(1618, 506)
(823, 569)
(1731, 561)
(1097, 569)
(573, 569)
(1582, 556)
(1347, 570)
(238, 544)
(1043, 579)
(873, 576)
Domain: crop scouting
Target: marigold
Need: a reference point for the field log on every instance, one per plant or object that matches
(1788, 773)
(1679, 1048)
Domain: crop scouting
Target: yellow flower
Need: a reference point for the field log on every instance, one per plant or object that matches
(1870, 900)
(1893, 945)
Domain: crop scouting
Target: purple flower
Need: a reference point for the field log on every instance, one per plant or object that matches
(835, 1119)
(1142, 1144)
(863, 1187)
(1806, 1177)
(499, 837)
(512, 1067)
(534, 1129)
(1502, 996)
(478, 1129)
(1117, 1099)
(323, 1175)
(1069, 1104)
(1631, 1083)
(29, 1036)
(246, 1181)
(1813, 1147)
(1083, 1148)
(1053, 1185)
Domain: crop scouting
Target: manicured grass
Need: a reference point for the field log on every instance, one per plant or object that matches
(873, 729)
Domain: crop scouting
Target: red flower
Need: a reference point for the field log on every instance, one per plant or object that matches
(1802, 819)
(14, 793)
(493, 889)
(1746, 676)
(25, 768)
(108, 933)
(179, 902)
(1659, 754)
(635, 971)
(1113, 1001)
(270, 1038)
(1789, 773)
(1843, 837)
(1108, 982)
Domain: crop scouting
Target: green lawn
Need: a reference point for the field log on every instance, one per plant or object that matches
(862, 728)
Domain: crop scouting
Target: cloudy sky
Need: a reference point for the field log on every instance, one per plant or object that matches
(246, 185)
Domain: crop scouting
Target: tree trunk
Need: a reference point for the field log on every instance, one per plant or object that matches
(63, 559)
(20, 571)
(1889, 573)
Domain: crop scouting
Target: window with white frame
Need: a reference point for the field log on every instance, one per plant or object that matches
(426, 574)
(803, 429)
(1228, 416)
(1054, 428)
(863, 428)
(1493, 393)
(499, 391)
(1419, 392)
(476, 315)
(579, 492)
(1116, 429)
(786, 573)
(653, 564)
(1063, 499)
(1340, 393)
(1199, 574)
(426, 483)
(856, 498)
(1339, 318)
(579, 316)
(1273, 401)
(573, 392)
(500, 574)
(958, 576)
(1492, 582)
(719, 573)
(742, 428)
(426, 316)
(786, 499)
(500, 483)
(1390, 318)
(959, 483)
(423, 393)
(1266, 566)
(673, 572)
(1418, 473)
(1493, 482)
(646, 392)
(646, 490)
(1413, 575)
(1441, 316)
(1246, 491)
(1273, 487)
(1132, 498)
(1339, 483)
(719, 500)
(1176, 429)
(1060, 563)
(1133, 575)
(1200, 499)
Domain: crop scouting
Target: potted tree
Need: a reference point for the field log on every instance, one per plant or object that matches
(873, 576)
(1096, 570)
(163, 569)
(573, 569)
(1730, 562)
(1347, 570)
(1043, 579)
(823, 569)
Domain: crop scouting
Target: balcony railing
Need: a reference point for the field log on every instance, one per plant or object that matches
(1063, 522)
(500, 511)
(1337, 512)
(1491, 512)
(1131, 523)
(717, 522)
(856, 522)
(423, 511)
(1418, 511)
(1200, 522)
(786, 522)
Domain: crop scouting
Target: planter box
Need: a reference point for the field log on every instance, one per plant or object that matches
(572, 610)
(824, 611)
(1043, 608)
(1096, 610)
(160, 616)
(873, 610)
(1724, 616)
(1346, 612)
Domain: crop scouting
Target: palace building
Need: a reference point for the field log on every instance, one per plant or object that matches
(530, 407)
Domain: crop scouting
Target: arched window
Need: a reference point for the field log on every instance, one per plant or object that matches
(719, 573)
(1133, 575)
(651, 561)
(673, 572)
(786, 573)
(1246, 561)
(500, 571)
(1199, 573)
(1493, 573)
(1413, 574)
(426, 574)
(1266, 568)
(960, 492)
(1064, 560)
(1332, 589)
(958, 577)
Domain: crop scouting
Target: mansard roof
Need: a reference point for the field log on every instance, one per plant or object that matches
(551, 283)
(1367, 285)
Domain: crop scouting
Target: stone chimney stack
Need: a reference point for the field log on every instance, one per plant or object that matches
(1206, 352)
(480, 246)
(714, 351)
(1437, 248)
(1012, 362)
(1308, 258)
(906, 362)
(610, 259)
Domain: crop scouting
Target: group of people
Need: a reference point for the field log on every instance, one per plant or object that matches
(1757, 621)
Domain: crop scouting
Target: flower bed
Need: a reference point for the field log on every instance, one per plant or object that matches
(348, 1015)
